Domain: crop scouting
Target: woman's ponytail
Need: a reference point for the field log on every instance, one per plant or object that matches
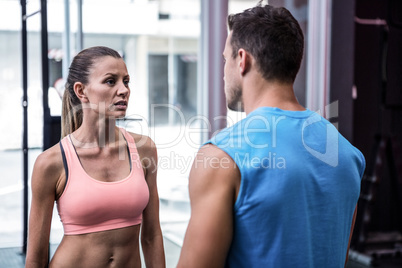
(71, 117)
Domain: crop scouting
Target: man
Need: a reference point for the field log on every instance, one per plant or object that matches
(280, 187)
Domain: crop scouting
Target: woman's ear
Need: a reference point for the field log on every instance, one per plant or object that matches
(79, 90)
(244, 61)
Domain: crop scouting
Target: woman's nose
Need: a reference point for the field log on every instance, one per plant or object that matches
(123, 89)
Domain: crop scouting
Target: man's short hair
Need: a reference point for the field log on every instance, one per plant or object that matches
(273, 37)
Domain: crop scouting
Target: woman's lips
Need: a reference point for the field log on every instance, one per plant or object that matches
(121, 105)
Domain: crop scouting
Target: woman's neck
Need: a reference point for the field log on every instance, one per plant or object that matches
(97, 133)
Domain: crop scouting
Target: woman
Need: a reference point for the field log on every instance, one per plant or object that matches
(102, 177)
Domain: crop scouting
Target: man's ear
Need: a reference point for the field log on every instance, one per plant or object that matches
(79, 90)
(244, 61)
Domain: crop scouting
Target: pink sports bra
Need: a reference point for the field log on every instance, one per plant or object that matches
(88, 205)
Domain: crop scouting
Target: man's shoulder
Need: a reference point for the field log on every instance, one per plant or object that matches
(215, 167)
(230, 132)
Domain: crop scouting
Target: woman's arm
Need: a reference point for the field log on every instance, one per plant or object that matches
(45, 176)
(151, 234)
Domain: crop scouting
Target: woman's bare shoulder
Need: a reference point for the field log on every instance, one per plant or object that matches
(145, 145)
(143, 141)
(49, 164)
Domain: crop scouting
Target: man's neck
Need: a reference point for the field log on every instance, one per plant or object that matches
(261, 93)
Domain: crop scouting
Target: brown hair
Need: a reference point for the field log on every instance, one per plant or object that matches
(79, 71)
(272, 36)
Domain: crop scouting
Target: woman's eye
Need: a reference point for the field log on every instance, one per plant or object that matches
(126, 82)
(110, 82)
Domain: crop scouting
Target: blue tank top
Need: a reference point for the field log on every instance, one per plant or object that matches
(300, 182)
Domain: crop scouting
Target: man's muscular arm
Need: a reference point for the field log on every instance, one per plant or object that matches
(213, 186)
